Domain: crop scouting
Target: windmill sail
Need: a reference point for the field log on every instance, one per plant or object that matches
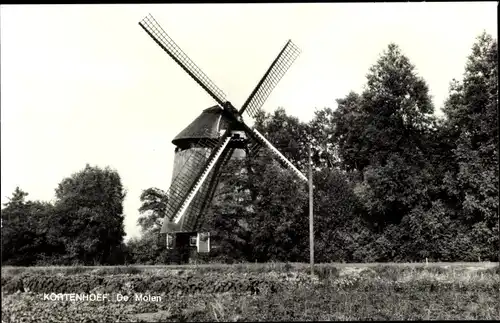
(271, 78)
(259, 95)
(154, 30)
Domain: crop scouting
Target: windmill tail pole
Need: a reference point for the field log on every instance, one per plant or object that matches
(311, 227)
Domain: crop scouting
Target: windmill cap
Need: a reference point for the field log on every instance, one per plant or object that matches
(205, 126)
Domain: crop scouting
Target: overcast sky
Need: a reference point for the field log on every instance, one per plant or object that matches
(85, 84)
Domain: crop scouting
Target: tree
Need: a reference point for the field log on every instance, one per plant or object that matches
(389, 117)
(288, 134)
(382, 135)
(434, 233)
(15, 229)
(146, 249)
(25, 239)
(324, 149)
(349, 123)
(153, 209)
(89, 210)
(472, 121)
(293, 137)
(340, 231)
(18, 198)
(279, 221)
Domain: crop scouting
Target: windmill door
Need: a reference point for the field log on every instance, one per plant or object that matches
(203, 242)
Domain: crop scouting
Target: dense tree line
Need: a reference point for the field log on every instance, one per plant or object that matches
(83, 226)
(393, 182)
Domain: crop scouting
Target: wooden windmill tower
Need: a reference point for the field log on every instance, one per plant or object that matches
(204, 147)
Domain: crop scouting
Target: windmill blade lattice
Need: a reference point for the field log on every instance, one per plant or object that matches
(194, 211)
(186, 177)
(279, 155)
(154, 30)
(212, 160)
(271, 78)
(187, 184)
(254, 147)
(208, 194)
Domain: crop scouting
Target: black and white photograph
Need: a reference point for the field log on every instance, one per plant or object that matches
(244, 162)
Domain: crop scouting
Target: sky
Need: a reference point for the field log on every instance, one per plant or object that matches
(85, 84)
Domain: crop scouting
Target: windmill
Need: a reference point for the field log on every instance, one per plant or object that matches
(217, 135)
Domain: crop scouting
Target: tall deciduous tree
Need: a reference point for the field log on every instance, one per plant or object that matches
(381, 134)
(146, 249)
(25, 236)
(153, 210)
(389, 117)
(90, 213)
(472, 120)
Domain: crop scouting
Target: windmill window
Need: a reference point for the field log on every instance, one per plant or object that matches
(170, 240)
(203, 237)
(192, 241)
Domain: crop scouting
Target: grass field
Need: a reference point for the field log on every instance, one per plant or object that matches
(255, 292)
